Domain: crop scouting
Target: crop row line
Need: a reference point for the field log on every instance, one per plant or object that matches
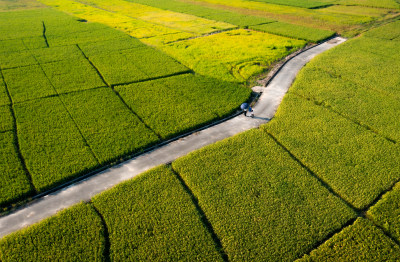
(151, 78)
(117, 94)
(16, 140)
(58, 95)
(106, 233)
(354, 121)
(69, 113)
(44, 34)
(203, 217)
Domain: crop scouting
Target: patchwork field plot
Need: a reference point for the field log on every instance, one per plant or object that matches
(158, 217)
(361, 241)
(26, 83)
(76, 234)
(51, 143)
(322, 139)
(134, 65)
(361, 72)
(76, 94)
(317, 18)
(69, 120)
(204, 99)
(234, 55)
(260, 209)
(109, 127)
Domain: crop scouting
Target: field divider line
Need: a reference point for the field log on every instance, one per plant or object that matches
(106, 234)
(61, 94)
(312, 173)
(329, 236)
(189, 71)
(44, 34)
(386, 233)
(354, 121)
(16, 140)
(118, 95)
(203, 217)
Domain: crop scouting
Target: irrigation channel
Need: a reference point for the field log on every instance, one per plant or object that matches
(264, 110)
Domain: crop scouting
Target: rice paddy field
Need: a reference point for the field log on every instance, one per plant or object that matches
(86, 83)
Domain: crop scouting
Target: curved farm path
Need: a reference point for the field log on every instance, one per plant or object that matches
(84, 190)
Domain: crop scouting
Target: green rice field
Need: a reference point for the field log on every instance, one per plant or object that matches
(84, 84)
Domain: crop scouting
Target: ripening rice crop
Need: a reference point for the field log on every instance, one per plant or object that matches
(52, 145)
(153, 218)
(4, 99)
(260, 202)
(14, 183)
(386, 212)
(26, 83)
(355, 162)
(108, 126)
(72, 75)
(178, 21)
(134, 27)
(361, 241)
(134, 65)
(187, 102)
(75, 234)
(232, 56)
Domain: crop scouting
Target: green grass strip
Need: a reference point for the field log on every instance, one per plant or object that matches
(75, 234)
(361, 241)
(153, 218)
(51, 144)
(372, 3)
(108, 126)
(262, 204)
(14, 184)
(295, 31)
(296, 3)
(205, 12)
(354, 161)
(386, 212)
